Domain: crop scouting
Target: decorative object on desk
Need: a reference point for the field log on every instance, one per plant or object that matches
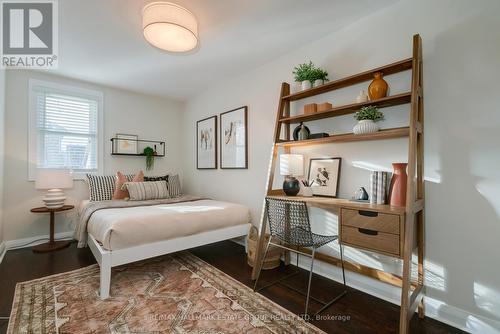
(306, 189)
(206, 143)
(291, 165)
(150, 157)
(378, 187)
(367, 118)
(307, 74)
(362, 97)
(361, 194)
(54, 180)
(324, 106)
(318, 135)
(273, 257)
(378, 87)
(234, 139)
(125, 144)
(397, 192)
(298, 128)
(324, 175)
(310, 108)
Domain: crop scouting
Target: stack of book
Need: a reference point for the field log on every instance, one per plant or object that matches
(378, 187)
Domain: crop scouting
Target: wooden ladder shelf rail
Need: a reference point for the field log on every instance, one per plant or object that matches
(412, 214)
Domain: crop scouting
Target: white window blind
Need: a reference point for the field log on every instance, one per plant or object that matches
(67, 129)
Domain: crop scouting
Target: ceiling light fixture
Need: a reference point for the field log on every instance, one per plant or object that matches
(169, 27)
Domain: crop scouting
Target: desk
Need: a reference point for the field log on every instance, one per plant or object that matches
(377, 228)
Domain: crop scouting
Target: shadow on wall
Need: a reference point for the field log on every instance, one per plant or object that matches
(462, 136)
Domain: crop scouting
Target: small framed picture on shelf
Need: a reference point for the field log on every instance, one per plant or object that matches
(206, 143)
(324, 176)
(233, 139)
(125, 144)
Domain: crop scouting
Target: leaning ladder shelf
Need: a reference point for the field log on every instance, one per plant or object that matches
(411, 292)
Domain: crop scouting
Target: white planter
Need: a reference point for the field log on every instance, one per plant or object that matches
(306, 84)
(318, 82)
(306, 191)
(365, 126)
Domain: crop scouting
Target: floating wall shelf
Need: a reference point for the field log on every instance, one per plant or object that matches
(145, 143)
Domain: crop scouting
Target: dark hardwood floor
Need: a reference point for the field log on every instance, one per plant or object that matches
(357, 312)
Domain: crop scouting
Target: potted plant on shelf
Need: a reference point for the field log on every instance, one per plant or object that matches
(367, 118)
(150, 157)
(320, 76)
(307, 74)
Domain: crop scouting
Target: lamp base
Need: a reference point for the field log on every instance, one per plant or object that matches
(291, 186)
(54, 199)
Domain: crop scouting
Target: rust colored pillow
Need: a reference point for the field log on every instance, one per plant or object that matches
(120, 180)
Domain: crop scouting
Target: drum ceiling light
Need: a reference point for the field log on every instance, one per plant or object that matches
(169, 27)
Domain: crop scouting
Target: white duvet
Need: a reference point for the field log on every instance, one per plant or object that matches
(117, 228)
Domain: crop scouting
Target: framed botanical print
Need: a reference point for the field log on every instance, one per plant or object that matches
(234, 139)
(125, 144)
(324, 176)
(206, 143)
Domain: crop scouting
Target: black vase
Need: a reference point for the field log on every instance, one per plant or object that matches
(297, 129)
(291, 186)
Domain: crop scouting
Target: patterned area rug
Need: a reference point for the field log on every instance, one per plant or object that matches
(177, 293)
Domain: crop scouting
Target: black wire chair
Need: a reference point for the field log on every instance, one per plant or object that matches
(289, 224)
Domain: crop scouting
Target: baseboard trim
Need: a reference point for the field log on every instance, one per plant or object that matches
(36, 240)
(434, 309)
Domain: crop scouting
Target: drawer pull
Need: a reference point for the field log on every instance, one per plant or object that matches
(367, 231)
(368, 213)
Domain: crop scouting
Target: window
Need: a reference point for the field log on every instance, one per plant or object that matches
(65, 128)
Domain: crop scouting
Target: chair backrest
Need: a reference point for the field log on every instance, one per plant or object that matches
(289, 221)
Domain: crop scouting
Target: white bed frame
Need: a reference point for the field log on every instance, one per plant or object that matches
(108, 259)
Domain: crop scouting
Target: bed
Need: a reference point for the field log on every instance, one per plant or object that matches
(120, 232)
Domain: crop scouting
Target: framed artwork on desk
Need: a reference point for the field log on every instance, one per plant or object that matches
(324, 176)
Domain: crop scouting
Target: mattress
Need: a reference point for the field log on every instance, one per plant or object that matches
(118, 228)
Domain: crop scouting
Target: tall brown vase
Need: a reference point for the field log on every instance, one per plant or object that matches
(378, 88)
(397, 192)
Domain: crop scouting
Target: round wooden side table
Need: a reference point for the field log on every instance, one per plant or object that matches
(52, 245)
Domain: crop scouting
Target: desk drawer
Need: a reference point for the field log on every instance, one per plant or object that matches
(371, 220)
(371, 240)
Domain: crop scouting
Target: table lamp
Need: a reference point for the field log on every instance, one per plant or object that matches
(291, 165)
(54, 180)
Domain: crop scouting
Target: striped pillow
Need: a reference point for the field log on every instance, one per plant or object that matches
(141, 191)
(101, 187)
(174, 186)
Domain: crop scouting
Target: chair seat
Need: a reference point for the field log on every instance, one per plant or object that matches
(303, 238)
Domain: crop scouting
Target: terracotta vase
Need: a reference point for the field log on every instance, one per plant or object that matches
(378, 88)
(397, 192)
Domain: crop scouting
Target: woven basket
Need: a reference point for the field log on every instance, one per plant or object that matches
(273, 255)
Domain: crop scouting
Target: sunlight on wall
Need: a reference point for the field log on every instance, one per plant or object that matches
(435, 274)
(490, 190)
(476, 325)
(487, 299)
(371, 167)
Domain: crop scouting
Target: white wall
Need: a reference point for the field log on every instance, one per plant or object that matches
(124, 112)
(461, 75)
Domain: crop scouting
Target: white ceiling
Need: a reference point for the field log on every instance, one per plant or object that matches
(101, 40)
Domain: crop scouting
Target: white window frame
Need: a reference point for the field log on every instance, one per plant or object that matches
(32, 124)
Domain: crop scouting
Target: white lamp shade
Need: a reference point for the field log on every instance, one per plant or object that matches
(291, 164)
(53, 179)
(169, 27)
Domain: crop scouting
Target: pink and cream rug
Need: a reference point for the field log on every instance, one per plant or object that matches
(176, 293)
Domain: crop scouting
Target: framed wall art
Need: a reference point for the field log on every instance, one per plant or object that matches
(206, 143)
(324, 176)
(234, 139)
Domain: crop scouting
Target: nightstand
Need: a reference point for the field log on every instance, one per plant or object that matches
(52, 245)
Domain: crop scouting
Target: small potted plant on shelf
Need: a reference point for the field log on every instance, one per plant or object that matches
(307, 74)
(367, 118)
(150, 157)
(320, 76)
